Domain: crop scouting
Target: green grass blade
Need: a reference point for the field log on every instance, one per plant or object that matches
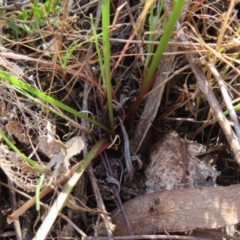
(38, 189)
(15, 149)
(106, 53)
(157, 56)
(49, 99)
(63, 196)
(236, 108)
(153, 22)
(98, 49)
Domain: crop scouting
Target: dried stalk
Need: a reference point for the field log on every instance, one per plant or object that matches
(226, 97)
(44, 205)
(14, 207)
(206, 89)
(154, 100)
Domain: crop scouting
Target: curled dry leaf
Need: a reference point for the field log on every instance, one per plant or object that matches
(50, 149)
(173, 163)
(73, 147)
(57, 151)
(180, 210)
(61, 153)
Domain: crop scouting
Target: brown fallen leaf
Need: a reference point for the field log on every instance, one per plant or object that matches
(173, 164)
(180, 210)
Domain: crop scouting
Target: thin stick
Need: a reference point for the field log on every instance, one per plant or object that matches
(44, 205)
(224, 25)
(226, 98)
(135, 237)
(14, 207)
(43, 193)
(206, 89)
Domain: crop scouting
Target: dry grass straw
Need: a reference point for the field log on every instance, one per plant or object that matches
(206, 70)
(210, 40)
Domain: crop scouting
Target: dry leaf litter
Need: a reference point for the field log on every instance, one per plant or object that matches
(59, 153)
(193, 202)
(173, 164)
(168, 169)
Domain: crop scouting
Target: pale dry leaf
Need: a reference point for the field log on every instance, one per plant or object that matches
(173, 164)
(17, 129)
(48, 143)
(56, 162)
(60, 161)
(74, 146)
(180, 210)
(27, 177)
(49, 149)
(51, 131)
(59, 152)
(48, 48)
(71, 148)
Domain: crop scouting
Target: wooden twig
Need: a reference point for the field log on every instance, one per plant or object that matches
(168, 211)
(44, 205)
(136, 237)
(14, 207)
(226, 98)
(207, 91)
(16, 5)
